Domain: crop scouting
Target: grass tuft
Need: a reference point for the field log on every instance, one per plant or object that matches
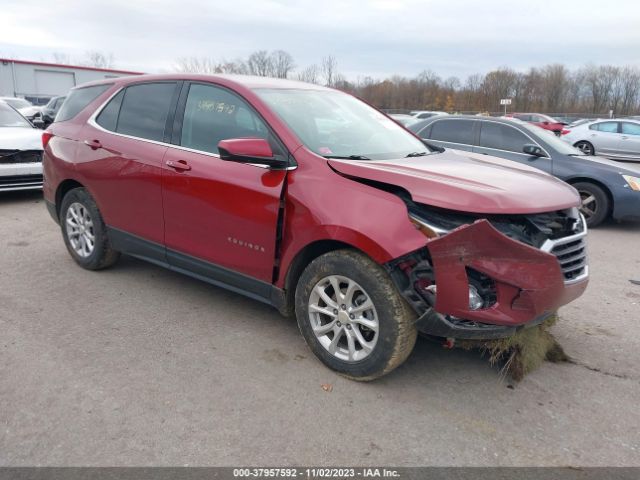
(523, 352)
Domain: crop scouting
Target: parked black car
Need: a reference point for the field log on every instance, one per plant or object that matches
(606, 188)
(50, 110)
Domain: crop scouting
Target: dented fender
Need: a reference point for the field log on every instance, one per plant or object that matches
(529, 282)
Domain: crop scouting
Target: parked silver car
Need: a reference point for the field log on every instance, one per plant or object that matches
(615, 139)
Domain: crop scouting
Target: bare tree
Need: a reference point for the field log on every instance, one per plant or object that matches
(281, 64)
(196, 65)
(310, 74)
(328, 68)
(62, 58)
(99, 59)
(259, 63)
(209, 65)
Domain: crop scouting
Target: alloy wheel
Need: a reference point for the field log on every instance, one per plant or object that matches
(585, 148)
(588, 204)
(343, 318)
(79, 228)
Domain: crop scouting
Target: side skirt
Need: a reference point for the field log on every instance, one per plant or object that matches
(195, 267)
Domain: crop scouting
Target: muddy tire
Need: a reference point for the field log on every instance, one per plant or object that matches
(84, 231)
(352, 316)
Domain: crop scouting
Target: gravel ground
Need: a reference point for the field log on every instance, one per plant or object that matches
(137, 365)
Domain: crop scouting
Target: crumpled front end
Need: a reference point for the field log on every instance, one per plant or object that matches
(476, 282)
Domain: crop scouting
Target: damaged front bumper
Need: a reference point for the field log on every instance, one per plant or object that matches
(521, 285)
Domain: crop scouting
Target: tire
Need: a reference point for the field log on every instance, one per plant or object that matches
(595, 203)
(358, 279)
(585, 147)
(80, 220)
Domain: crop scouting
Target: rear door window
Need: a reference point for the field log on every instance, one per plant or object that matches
(77, 100)
(145, 109)
(610, 127)
(502, 137)
(453, 131)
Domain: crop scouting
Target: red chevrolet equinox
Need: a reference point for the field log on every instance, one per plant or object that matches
(312, 201)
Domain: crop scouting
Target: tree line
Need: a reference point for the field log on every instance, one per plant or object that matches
(554, 88)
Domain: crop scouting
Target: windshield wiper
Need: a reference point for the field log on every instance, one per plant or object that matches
(348, 157)
(416, 154)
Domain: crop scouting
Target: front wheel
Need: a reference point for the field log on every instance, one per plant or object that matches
(594, 203)
(84, 231)
(352, 316)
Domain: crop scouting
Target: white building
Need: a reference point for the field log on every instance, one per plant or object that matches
(38, 81)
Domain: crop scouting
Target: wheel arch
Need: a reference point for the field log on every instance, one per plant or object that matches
(63, 188)
(302, 258)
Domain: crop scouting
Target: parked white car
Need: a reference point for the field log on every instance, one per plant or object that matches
(615, 139)
(26, 108)
(20, 151)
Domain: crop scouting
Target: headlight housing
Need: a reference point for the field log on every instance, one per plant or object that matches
(633, 182)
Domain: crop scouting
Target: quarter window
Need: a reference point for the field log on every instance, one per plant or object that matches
(629, 128)
(502, 137)
(144, 110)
(108, 118)
(77, 100)
(454, 131)
(213, 114)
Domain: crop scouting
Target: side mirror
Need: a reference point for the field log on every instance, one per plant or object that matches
(533, 150)
(546, 122)
(249, 150)
(38, 122)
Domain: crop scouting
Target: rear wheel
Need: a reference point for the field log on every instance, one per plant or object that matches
(352, 317)
(84, 232)
(594, 203)
(585, 147)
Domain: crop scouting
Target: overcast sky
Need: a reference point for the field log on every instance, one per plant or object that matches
(376, 37)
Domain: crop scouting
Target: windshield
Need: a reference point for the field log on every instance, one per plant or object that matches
(17, 102)
(10, 118)
(337, 125)
(553, 140)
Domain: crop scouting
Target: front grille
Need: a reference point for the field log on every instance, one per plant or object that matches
(571, 252)
(20, 156)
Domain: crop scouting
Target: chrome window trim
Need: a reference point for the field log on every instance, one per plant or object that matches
(92, 121)
(547, 156)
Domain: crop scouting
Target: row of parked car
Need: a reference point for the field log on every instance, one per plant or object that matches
(40, 117)
(584, 153)
(580, 156)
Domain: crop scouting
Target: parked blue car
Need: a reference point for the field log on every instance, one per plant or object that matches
(607, 189)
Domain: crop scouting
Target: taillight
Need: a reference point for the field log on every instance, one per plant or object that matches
(46, 136)
(564, 131)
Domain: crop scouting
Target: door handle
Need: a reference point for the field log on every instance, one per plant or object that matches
(179, 165)
(93, 144)
(624, 137)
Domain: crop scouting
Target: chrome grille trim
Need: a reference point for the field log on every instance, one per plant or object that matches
(571, 253)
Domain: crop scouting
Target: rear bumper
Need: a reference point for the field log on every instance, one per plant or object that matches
(20, 176)
(530, 283)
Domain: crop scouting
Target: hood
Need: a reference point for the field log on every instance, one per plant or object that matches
(20, 138)
(468, 182)
(627, 168)
(29, 111)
